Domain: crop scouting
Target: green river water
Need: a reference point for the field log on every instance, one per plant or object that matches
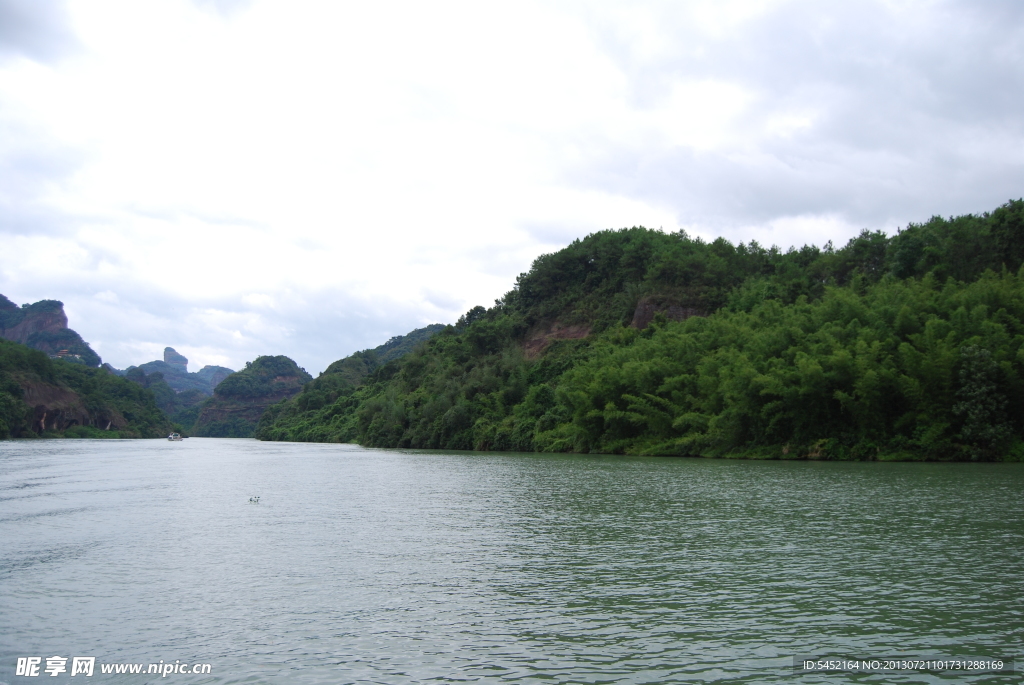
(381, 566)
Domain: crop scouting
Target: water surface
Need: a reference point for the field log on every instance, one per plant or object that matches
(379, 566)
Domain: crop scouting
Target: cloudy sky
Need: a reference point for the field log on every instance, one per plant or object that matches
(235, 178)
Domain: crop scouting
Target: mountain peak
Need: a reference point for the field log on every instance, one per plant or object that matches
(44, 326)
(172, 357)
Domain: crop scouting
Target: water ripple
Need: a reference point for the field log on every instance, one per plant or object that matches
(377, 566)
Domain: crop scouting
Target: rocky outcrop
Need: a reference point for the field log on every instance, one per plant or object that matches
(44, 326)
(233, 418)
(540, 337)
(178, 361)
(37, 398)
(174, 368)
(20, 324)
(647, 307)
(56, 409)
(51, 320)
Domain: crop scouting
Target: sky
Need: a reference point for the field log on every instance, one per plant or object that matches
(243, 177)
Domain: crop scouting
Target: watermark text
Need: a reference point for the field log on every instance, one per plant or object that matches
(32, 666)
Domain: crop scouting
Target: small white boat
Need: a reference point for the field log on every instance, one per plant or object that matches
(174, 436)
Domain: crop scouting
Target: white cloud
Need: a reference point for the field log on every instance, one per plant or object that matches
(310, 178)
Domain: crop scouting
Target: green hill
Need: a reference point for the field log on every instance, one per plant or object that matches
(178, 393)
(343, 376)
(401, 345)
(354, 368)
(908, 346)
(180, 407)
(241, 398)
(47, 397)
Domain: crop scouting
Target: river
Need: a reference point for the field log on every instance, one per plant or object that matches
(384, 566)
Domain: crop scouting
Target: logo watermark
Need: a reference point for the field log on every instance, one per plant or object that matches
(32, 666)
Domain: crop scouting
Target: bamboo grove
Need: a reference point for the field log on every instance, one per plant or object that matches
(908, 346)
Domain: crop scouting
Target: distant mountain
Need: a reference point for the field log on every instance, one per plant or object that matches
(44, 326)
(240, 399)
(174, 369)
(176, 405)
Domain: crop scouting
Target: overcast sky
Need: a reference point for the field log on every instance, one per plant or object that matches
(311, 178)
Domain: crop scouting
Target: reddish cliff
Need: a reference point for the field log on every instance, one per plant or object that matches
(538, 339)
(56, 408)
(44, 326)
(48, 397)
(20, 323)
(179, 361)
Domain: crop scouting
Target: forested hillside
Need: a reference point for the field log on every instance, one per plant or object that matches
(40, 396)
(241, 398)
(343, 376)
(636, 341)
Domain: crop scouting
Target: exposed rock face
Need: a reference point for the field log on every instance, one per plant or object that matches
(648, 307)
(176, 360)
(542, 336)
(236, 417)
(174, 368)
(49, 318)
(539, 339)
(56, 408)
(44, 326)
(43, 396)
(60, 418)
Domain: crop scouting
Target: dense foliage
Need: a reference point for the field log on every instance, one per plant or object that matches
(909, 346)
(55, 342)
(344, 375)
(241, 398)
(401, 345)
(264, 376)
(907, 368)
(353, 369)
(72, 400)
(181, 408)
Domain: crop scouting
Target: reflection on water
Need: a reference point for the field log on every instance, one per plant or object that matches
(397, 567)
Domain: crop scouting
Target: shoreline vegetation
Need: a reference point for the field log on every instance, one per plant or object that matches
(639, 342)
(634, 341)
(44, 397)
